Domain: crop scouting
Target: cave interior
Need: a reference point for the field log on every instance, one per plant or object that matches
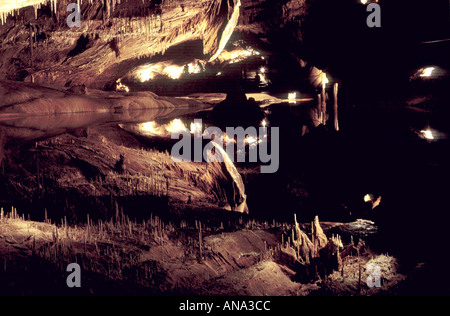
(341, 117)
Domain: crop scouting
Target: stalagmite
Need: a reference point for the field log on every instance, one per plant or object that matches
(318, 111)
(323, 106)
(320, 240)
(302, 242)
(335, 106)
(31, 46)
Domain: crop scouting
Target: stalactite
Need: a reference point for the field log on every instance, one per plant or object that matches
(110, 6)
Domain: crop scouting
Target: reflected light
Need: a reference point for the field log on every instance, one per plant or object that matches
(251, 140)
(196, 128)
(226, 139)
(152, 128)
(263, 123)
(176, 126)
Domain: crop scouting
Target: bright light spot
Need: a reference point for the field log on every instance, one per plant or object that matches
(364, 1)
(173, 71)
(368, 198)
(148, 72)
(325, 80)
(219, 73)
(262, 70)
(196, 128)
(176, 126)
(264, 123)
(226, 139)
(292, 97)
(150, 127)
(164, 130)
(252, 141)
(427, 72)
(121, 87)
(427, 134)
(169, 69)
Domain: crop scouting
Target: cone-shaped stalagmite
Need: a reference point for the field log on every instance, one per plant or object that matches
(320, 240)
(302, 243)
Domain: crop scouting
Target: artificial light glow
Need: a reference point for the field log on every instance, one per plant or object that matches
(167, 68)
(219, 73)
(427, 134)
(121, 87)
(368, 198)
(325, 80)
(148, 72)
(164, 130)
(252, 141)
(264, 123)
(196, 128)
(226, 139)
(364, 1)
(292, 97)
(176, 126)
(427, 72)
(150, 128)
(173, 71)
(262, 70)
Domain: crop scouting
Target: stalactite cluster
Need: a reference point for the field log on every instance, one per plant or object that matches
(6, 10)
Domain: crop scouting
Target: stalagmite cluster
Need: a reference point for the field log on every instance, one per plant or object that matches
(11, 7)
(319, 254)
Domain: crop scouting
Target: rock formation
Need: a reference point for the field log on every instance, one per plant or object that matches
(319, 239)
(319, 257)
(38, 46)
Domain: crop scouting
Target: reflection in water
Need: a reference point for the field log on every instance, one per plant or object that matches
(36, 127)
(196, 128)
(163, 130)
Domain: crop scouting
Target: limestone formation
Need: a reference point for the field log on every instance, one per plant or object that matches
(114, 36)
